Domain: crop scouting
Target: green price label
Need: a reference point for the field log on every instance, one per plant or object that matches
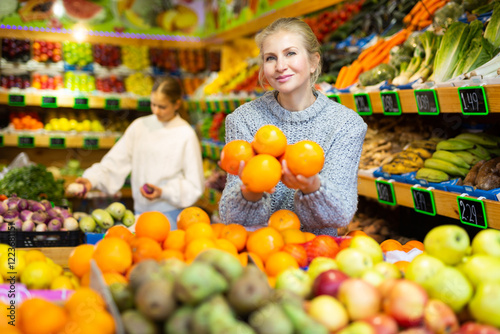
(90, 143)
(144, 105)
(423, 201)
(334, 97)
(385, 192)
(81, 103)
(49, 102)
(57, 142)
(473, 100)
(427, 102)
(390, 103)
(112, 104)
(16, 100)
(363, 104)
(472, 212)
(26, 141)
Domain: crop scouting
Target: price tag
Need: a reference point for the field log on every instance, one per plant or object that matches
(16, 100)
(227, 107)
(236, 103)
(57, 142)
(334, 97)
(385, 191)
(427, 102)
(49, 102)
(213, 151)
(390, 103)
(216, 105)
(472, 211)
(112, 104)
(91, 143)
(26, 141)
(144, 105)
(1, 141)
(423, 200)
(81, 103)
(363, 104)
(473, 100)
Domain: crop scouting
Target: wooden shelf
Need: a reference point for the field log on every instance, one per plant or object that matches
(71, 141)
(446, 202)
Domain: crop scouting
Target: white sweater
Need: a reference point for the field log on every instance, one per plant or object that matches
(166, 155)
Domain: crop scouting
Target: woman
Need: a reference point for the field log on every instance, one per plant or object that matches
(291, 64)
(160, 150)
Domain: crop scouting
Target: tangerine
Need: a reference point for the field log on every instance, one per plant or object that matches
(111, 278)
(79, 259)
(261, 173)
(84, 302)
(298, 252)
(176, 240)
(243, 257)
(217, 228)
(354, 233)
(305, 158)
(264, 242)
(197, 246)
(269, 139)
(145, 248)
(191, 215)
(113, 254)
(414, 244)
(226, 246)
(390, 245)
(233, 153)
(284, 219)
(293, 236)
(172, 253)
(33, 256)
(39, 316)
(256, 260)
(402, 266)
(278, 262)
(236, 234)
(199, 230)
(119, 231)
(152, 224)
(309, 236)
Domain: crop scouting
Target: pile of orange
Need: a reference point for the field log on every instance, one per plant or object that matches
(393, 245)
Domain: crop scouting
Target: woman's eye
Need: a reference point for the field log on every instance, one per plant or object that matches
(269, 58)
(291, 53)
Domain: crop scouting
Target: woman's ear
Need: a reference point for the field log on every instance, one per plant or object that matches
(315, 61)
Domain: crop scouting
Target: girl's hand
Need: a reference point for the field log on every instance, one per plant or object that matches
(247, 194)
(305, 184)
(86, 188)
(154, 195)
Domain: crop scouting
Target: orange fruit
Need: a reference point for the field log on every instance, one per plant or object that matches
(4, 315)
(85, 280)
(305, 158)
(269, 139)
(257, 260)
(402, 266)
(171, 253)
(145, 248)
(39, 316)
(33, 256)
(284, 219)
(84, 302)
(345, 243)
(111, 278)
(199, 230)
(236, 234)
(293, 236)
(98, 323)
(176, 240)
(79, 259)
(226, 246)
(298, 252)
(113, 254)
(243, 257)
(272, 281)
(233, 153)
(217, 228)
(278, 262)
(119, 231)
(390, 245)
(261, 173)
(354, 233)
(264, 242)
(197, 246)
(414, 244)
(191, 215)
(309, 236)
(152, 224)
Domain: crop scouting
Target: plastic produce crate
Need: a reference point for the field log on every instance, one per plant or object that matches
(43, 239)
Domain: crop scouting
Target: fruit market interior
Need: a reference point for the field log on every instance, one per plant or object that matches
(421, 253)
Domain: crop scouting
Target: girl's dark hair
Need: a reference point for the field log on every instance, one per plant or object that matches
(168, 86)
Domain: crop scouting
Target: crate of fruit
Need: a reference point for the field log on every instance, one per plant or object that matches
(22, 239)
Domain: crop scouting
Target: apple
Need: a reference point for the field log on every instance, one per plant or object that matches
(358, 327)
(373, 277)
(383, 324)
(485, 305)
(449, 243)
(487, 242)
(319, 265)
(387, 269)
(295, 280)
(386, 286)
(353, 262)
(439, 317)
(369, 246)
(422, 268)
(481, 267)
(450, 286)
(328, 282)
(405, 302)
(471, 327)
(361, 299)
(329, 312)
(416, 330)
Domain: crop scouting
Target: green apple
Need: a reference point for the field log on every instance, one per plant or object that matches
(358, 327)
(485, 305)
(423, 268)
(320, 264)
(295, 280)
(487, 242)
(387, 269)
(329, 312)
(369, 246)
(450, 286)
(480, 267)
(373, 277)
(353, 262)
(449, 243)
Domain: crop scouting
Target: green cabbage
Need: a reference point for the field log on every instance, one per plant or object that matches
(451, 49)
(492, 32)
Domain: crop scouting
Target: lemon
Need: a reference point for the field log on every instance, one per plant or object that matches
(34, 255)
(56, 269)
(4, 248)
(62, 283)
(73, 278)
(13, 268)
(37, 275)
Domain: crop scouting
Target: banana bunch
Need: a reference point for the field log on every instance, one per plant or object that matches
(407, 161)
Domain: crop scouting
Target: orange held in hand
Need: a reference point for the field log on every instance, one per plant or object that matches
(305, 158)
(269, 139)
(233, 153)
(261, 174)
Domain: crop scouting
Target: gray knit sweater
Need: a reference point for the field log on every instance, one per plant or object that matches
(337, 129)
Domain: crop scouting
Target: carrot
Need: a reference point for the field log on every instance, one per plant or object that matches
(423, 24)
(340, 77)
(371, 49)
(376, 61)
(427, 12)
(352, 75)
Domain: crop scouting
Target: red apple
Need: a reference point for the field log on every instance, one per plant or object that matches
(416, 330)
(361, 299)
(383, 324)
(328, 282)
(322, 245)
(405, 302)
(439, 317)
(475, 328)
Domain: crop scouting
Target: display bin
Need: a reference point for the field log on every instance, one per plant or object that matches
(493, 194)
(444, 186)
(23, 239)
(402, 178)
(93, 238)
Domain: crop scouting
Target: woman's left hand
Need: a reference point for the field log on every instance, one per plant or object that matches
(155, 194)
(305, 184)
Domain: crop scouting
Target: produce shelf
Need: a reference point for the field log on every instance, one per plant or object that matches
(209, 200)
(446, 202)
(23, 140)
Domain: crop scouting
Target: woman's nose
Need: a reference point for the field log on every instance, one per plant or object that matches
(281, 64)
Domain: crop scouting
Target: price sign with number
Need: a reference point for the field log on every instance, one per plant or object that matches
(57, 142)
(427, 102)
(472, 212)
(144, 105)
(473, 100)
(423, 201)
(26, 141)
(81, 103)
(112, 104)
(91, 143)
(334, 97)
(390, 103)
(49, 102)
(16, 100)
(363, 104)
(385, 192)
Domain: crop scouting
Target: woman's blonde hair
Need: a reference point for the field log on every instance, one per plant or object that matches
(291, 24)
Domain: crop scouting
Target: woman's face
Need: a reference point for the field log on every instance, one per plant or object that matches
(286, 63)
(162, 107)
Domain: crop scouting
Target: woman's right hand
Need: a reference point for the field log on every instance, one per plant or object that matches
(247, 194)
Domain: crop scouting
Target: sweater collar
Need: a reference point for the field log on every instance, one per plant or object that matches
(294, 116)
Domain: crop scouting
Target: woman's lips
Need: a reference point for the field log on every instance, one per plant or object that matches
(283, 78)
